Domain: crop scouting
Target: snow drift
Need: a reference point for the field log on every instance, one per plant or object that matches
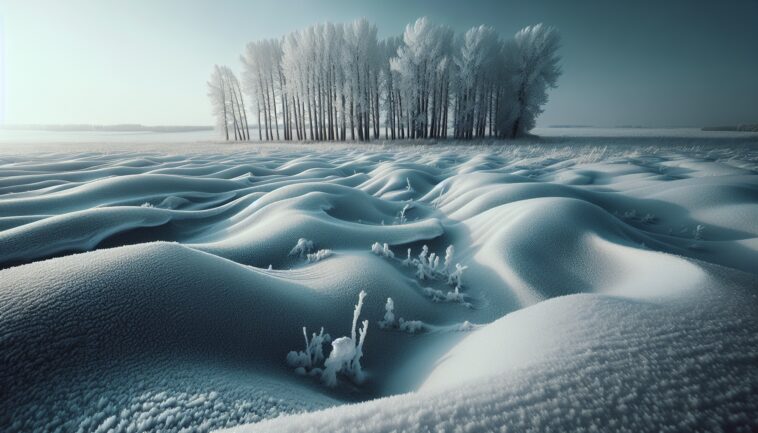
(606, 287)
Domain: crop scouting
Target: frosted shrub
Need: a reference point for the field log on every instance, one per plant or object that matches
(146, 204)
(454, 278)
(316, 350)
(313, 354)
(302, 249)
(389, 315)
(418, 326)
(430, 266)
(449, 296)
(411, 326)
(318, 256)
(422, 255)
(382, 250)
(449, 257)
(408, 259)
(345, 357)
(346, 354)
(343, 352)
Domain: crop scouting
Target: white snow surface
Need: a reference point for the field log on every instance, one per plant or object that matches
(136, 293)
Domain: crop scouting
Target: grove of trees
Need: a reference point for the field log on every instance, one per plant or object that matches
(336, 82)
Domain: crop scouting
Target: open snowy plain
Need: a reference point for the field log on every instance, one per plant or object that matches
(598, 280)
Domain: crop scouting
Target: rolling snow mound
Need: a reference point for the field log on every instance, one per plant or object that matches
(606, 287)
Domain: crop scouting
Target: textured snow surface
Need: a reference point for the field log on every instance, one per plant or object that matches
(583, 362)
(611, 285)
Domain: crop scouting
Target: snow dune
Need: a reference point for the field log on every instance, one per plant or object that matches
(613, 287)
(579, 363)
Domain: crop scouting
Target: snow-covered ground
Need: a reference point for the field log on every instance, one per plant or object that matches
(611, 284)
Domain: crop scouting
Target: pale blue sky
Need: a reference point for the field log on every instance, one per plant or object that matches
(654, 63)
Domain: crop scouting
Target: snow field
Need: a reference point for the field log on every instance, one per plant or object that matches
(146, 290)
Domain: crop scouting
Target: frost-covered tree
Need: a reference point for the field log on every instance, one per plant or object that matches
(477, 62)
(533, 63)
(262, 61)
(217, 93)
(338, 81)
(228, 104)
(422, 62)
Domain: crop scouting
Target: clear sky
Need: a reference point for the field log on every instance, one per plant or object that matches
(648, 63)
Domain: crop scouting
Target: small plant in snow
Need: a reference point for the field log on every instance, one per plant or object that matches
(302, 249)
(304, 361)
(416, 326)
(449, 296)
(411, 326)
(436, 202)
(430, 266)
(449, 257)
(424, 264)
(340, 359)
(408, 184)
(698, 232)
(346, 354)
(408, 260)
(389, 315)
(345, 357)
(382, 250)
(146, 204)
(318, 255)
(401, 218)
(455, 277)
(389, 322)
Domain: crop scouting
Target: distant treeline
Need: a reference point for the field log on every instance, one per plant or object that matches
(339, 82)
(746, 128)
(127, 127)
